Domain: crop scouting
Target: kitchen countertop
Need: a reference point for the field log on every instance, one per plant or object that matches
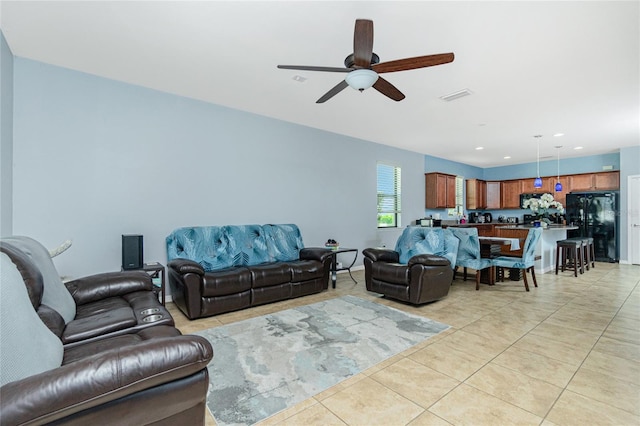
(551, 227)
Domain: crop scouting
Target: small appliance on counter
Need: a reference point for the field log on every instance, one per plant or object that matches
(474, 217)
(487, 217)
(513, 219)
(427, 221)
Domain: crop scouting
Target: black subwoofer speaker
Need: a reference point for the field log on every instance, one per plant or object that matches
(131, 251)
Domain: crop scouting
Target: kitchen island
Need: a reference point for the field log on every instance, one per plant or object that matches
(546, 247)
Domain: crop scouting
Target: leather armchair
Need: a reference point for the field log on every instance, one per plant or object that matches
(162, 380)
(148, 376)
(89, 308)
(425, 278)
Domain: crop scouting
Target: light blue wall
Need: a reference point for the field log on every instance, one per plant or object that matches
(550, 167)
(96, 158)
(629, 166)
(435, 164)
(6, 138)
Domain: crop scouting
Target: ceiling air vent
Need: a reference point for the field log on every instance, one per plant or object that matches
(456, 95)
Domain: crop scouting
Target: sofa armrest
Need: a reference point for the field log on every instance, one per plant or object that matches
(381, 255)
(108, 284)
(102, 378)
(184, 266)
(315, 253)
(429, 260)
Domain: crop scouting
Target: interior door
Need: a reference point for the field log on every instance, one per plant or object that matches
(633, 236)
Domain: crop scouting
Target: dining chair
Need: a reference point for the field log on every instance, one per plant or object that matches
(527, 261)
(469, 253)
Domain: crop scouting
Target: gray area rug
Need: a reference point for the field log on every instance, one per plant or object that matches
(264, 365)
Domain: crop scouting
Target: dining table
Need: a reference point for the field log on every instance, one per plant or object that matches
(491, 247)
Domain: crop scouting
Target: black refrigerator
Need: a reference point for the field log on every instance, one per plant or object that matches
(597, 215)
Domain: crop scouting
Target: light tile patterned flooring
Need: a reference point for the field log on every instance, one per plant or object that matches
(566, 353)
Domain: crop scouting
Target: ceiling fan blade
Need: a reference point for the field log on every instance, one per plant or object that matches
(413, 63)
(388, 89)
(362, 43)
(313, 68)
(331, 93)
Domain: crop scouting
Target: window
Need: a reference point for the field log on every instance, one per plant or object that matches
(389, 194)
(459, 209)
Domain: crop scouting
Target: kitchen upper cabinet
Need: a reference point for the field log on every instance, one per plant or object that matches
(528, 188)
(581, 182)
(510, 191)
(594, 181)
(606, 180)
(493, 195)
(440, 190)
(476, 194)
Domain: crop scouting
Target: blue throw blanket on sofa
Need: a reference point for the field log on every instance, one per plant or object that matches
(219, 247)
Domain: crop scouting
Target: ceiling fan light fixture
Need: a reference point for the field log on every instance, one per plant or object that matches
(361, 79)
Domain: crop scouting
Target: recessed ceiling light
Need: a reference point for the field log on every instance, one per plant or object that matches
(506, 157)
(479, 148)
(299, 78)
(557, 135)
(578, 147)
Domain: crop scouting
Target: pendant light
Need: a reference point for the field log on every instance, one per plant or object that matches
(537, 183)
(558, 184)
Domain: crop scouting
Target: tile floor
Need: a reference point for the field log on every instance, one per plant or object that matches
(566, 353)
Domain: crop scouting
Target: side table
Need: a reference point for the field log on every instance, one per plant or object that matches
(334, 263)
(156, 270)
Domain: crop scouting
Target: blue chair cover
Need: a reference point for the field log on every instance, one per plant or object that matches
(469, 249)
(423, 240)
(528, 253)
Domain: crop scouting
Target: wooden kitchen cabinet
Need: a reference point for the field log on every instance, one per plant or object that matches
(510, 191)
(476, 194)
(440, 191)
(493, 195)
(594, 181)
(606, 180)
(528, 188)
(581, 182)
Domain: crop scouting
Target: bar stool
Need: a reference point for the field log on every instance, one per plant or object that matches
(565, 248)
(589, 251)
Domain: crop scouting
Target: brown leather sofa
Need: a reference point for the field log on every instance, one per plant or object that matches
(145, 376)
(425, 278)
(93, 307)
(218, 269)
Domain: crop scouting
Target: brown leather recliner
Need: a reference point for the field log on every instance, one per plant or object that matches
(142, 377)
(425, 278)
(93, 307)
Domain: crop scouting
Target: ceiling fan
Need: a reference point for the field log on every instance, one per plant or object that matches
(363, 66)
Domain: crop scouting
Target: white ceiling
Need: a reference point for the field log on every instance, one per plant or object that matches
(536, 67)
